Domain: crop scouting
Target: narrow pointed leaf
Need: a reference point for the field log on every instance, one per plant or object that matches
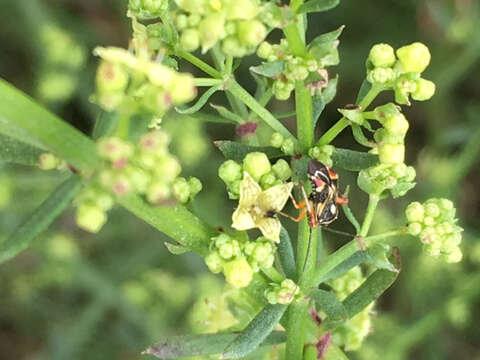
(227, 114)
(15, 131)
(176, 249)
(237, 151)
(255, 333)
(200, 102)
(104, 124)
(357, 258)
(269, 69)
(173, 347)
(353, 160)
(364, 89)
(40, 219)
(326, 37)
(317, 6)
(286, 254)
(15, 151)
(327, 302)
(58, 136)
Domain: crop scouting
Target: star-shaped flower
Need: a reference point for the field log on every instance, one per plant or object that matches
(257, 208)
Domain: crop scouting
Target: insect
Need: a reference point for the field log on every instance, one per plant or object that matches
(321, 206)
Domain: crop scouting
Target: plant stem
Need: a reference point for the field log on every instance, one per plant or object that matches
(341, 124)
(202, 65)
(123, 126)
(273, 274)
(349, 249)
(296, 332)
(303, 106)
(206, 81)
(367, 221)
(228, 64)
(241, 94)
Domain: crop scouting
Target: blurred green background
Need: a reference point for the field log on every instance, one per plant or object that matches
(74, 295)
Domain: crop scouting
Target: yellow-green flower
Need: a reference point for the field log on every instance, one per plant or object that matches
(256, 208)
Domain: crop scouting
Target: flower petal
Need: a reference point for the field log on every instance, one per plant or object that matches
(275, 197)
(242, 220)
(249, 191)
(270, 228)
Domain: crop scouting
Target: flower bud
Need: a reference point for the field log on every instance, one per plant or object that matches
(414, 58)
(380, 75)
(267, 180)
(232, 46)
(195, 186)
(391, 153)
(241, 9)
(431, 209)
(251, 32)
(265, 50)
(184, 89)
(90, 218)
(238, 273)
(111, 77)
(48, 161)
(190, 40)
(455, 256)
(230, 171)
(282, 170)
(288, 147)
(210, 29)
(181, 21)
(424, 91)
(382, 55)
(181, 190)
(256, 164)
(193, 6)
(415, 212)
(214, 262)
(414, 228)
(396, 125)
(276, 140)
(158, 192)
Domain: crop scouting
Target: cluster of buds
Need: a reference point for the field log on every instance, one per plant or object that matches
(238, 259)
(147, 169)
(238, 26)
(125, 81)
(48, 161)
(435, 223)
(402, 72)
(283, 293)
(260, 169)
(352, 332)
(399, 179)
(147, 9)
(287, 146)
(323, 154)
(310, 67)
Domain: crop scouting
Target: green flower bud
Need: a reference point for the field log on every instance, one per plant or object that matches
(261, 252)
(251, 32)
(195, 186)
(314, 152)
(232, 46)
(414, 57)
(230, 171)
(193, 6)
(158, 192)
(226, 251)
(181, 21)
(397, 125)
(114, 149)
(241, 9)
(380, 75)
(415, 212)
(432, 209)
(415, 228)
(181, 190)
(167, 169)
(190, 40)
(238, 273)
(210, 29)
(455, 256)
(446, 204)
(90, 218)
(111, 78)
(214, 262)
(382, 55)
(424, 91)
(48, 161)
(288, 147)
(184, 89)
(276, 140)
(265, 50)
(282, 170)
(256, 164)
(271, 297)
(267, 180)
(234, 189)
(221, 239)
(391, 153)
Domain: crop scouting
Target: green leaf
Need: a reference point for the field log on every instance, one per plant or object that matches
(15, 151)
(324, 98)
(200, 102)
(174, 221)
(353, 160)
(176, 249)
(105, 124)
(401, 189)
(40, 219)
(237, 151)
(317, 6)
(369, 291)
(327, 302)
(353, 115)
(211, 118)
(58, 136)
(255, 333)
(262, 85)
(364, 89)
(227, 114)
(357, 258)
(326, 37)
(14, 131)
(333, 352)
(286, 254)
(172, 347)
(269, 69)
(377, 256)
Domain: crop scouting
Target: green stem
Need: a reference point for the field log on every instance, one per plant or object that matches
(123, 126)
(367, 221)
(347, 250)
(273, 274)
(295, 42)
(296, 332)
(202, 65)
(341, 124)
(303, 106)
(241, 94)
(228, 64)
(206, 82)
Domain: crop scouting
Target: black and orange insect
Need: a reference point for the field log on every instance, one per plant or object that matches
(321, 206)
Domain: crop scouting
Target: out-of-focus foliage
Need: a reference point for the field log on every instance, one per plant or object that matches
(78, 296)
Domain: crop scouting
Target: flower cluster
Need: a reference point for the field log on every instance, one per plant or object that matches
(352, 332)
(402, 74)
(287, 146)
(239, 259)
(399, 179)
(283, 293)
(147, 9)
(435, 223)
(260, 169)
(323, 154)
(147, 169)
(135, 84)
(309, 68)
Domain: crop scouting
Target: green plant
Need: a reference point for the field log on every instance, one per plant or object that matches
(130, 164)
